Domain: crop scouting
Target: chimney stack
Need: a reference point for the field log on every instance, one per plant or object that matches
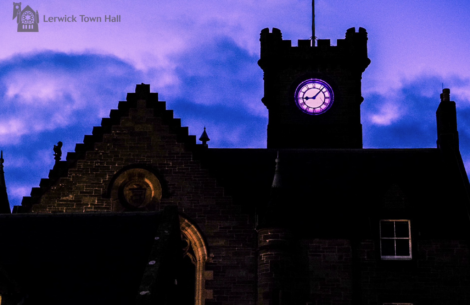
(446, 116)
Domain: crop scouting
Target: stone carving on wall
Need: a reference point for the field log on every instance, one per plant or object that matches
(136, 189)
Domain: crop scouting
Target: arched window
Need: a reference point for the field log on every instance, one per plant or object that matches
(194, 261)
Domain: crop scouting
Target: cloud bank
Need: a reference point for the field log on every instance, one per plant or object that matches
(53, 96)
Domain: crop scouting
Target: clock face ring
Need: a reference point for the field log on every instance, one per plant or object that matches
(314, 96)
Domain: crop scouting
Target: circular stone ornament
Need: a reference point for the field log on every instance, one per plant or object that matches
(138, 192)
(136, 189)
(314, 96)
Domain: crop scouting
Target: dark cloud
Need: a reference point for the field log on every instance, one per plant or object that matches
(49, 97)
(416, 103)
(220, 86)
(220, 72)
(413, 108)
(47, 90)
(57, 96)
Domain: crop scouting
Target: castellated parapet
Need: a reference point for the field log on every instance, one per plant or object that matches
(350, 52)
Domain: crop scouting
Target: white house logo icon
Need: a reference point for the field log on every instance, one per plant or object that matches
(27, 19)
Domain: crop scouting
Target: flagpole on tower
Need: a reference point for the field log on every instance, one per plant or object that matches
(313, 23)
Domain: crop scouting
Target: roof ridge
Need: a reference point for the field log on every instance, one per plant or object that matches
(142, 92)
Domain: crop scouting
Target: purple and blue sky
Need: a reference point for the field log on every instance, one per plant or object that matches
(201, 57)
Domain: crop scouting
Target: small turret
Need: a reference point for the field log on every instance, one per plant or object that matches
(4, 203)
(277, 182)
(276, 273)
(204, 138)
(272, 214)
(446, 117)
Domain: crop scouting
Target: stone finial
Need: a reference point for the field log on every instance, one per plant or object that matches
(142, 90)
(58, 151)
(204, 138)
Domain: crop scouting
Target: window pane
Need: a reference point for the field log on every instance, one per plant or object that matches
(386, 229)
(388, 248)
(403, 247)
(401, 228)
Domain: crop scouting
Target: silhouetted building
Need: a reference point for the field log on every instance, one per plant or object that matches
(329, 223)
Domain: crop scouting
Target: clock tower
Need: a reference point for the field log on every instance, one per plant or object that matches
(313, 93)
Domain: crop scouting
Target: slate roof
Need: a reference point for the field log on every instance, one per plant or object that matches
(89, 258)
(331, 189)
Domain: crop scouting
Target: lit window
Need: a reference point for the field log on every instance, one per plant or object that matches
(395, 240)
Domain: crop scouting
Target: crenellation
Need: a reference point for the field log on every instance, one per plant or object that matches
(323, 43)
(286, 44)
(304, 43)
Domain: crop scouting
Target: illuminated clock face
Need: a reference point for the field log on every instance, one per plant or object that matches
(314, 96)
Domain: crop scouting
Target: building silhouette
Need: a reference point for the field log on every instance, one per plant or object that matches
(140, 213)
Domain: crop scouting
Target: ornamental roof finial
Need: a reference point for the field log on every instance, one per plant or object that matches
(204, 138)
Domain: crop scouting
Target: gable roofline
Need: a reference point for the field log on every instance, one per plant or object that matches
(142, 92)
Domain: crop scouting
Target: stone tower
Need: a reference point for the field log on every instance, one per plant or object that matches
(313, 93)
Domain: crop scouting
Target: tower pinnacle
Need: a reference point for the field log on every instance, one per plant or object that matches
(4, 203)
(204, 138)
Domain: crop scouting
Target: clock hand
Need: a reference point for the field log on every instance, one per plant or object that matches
(318, 92)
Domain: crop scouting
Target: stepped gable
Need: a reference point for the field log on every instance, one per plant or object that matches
(141, 98)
